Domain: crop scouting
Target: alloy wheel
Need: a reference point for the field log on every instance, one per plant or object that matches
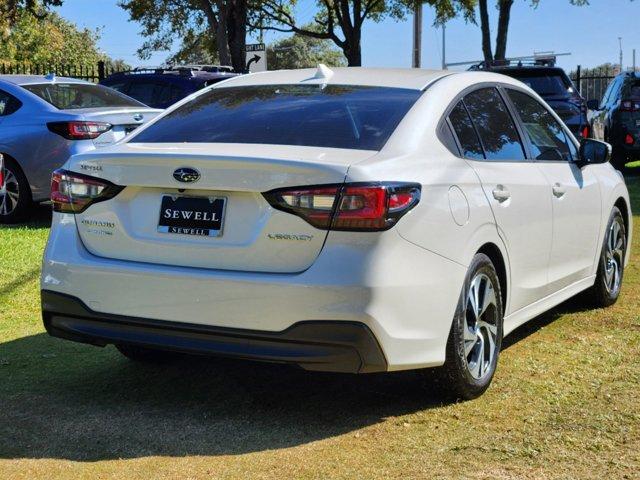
(481, 326)
(9, 192)
(614, 258)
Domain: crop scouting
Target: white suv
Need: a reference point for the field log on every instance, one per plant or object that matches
(351, 220)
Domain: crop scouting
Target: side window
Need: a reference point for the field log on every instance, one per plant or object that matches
(494, 124)
(615, 92)
(547, 137)
(142, 91)
(605, 98)
(8, 104)
(463, 128)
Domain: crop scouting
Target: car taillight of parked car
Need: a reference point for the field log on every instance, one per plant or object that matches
(73, 192)
(585, 132)
(79, 130)
(630, 106)
(348, 207)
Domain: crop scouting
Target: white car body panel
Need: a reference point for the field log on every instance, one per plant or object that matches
(404, 283)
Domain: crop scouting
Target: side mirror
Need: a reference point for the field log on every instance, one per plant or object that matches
(593, 104)
(593, 152)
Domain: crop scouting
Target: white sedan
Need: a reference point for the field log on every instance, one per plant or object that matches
(349, 220)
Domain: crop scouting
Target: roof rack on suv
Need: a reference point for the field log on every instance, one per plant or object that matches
(538, 59)
(184, 70)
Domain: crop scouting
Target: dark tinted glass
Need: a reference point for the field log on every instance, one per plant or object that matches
(8, 104)
(336, 116)
(494, 124)
(548, 141)
(143, 92)
(465, 132)
(70, 96)
(543, 83)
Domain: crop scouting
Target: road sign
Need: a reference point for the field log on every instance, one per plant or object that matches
(256, 57)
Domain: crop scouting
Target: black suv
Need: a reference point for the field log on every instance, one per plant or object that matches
(162, 87)
(616, 118)
(555, 87)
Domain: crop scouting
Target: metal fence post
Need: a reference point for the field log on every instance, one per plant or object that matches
(579, 78)
(101, 71)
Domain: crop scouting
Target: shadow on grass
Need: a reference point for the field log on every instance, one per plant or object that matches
(76, 402)
(40, 217)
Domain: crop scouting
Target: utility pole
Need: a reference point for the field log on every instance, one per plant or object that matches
(444, 47)
(620, 43)
(417, 35)
(634, 60)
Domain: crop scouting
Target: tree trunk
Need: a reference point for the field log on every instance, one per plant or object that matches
(237, 33)
(218, 26)
(503, 28)
(353, 49)
(486, 33)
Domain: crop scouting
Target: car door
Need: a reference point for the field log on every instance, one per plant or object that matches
(515, 188)
(574, 192)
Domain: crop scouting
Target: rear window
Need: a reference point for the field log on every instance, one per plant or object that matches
(634, 91)
(547, 83)
(72, 96)
(338, 116)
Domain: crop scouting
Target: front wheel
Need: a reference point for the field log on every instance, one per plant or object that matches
(606, 289)
(474, 342)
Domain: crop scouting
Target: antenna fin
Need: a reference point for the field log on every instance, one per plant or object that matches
(323, 72)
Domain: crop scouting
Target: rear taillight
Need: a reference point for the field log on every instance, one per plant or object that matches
(73, 192)
(79, 130)
(352, 206)
(629, 140)
(585, 132)
(629, 106)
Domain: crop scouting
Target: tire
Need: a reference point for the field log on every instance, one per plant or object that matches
(15, 194)
(146, 355)
(606, 289)
(463, 375)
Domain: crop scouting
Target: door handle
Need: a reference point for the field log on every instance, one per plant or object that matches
(558, 190)
(501, 194)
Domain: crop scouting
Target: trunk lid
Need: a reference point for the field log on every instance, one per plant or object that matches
(252, 236)
(124, 121)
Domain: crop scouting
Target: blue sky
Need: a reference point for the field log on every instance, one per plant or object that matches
(590, 33)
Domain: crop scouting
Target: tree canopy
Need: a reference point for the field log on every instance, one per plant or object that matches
(341, 21)
(299, 51)
(50, 40)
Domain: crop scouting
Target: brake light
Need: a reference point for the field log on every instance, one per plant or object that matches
(629, 140)
(73, 192)
(629, 105)
(349, 207)
(585, 132)
(79, 130)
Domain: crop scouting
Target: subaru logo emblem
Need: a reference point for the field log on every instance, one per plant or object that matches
(138, 117)
(186, 175)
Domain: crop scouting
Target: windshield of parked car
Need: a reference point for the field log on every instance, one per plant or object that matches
(544, 83)
(338, 116)
(72, 96)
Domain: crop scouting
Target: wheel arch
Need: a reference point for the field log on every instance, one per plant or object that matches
(17, 164)
(621, 203)
(494, 253)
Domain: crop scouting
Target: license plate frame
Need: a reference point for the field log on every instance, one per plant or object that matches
(187, 223)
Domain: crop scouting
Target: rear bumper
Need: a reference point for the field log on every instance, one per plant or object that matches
(348, 347)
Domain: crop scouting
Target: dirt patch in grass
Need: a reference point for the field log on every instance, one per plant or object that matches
(563, 404)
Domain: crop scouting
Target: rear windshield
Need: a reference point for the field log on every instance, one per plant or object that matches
(337, 116)
(543, 83)
(634, 90)
(72, 96)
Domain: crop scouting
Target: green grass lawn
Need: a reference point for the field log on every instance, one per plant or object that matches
(564, 404)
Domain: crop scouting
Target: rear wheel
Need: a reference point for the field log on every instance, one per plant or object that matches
(146, 355)
(606, 289)
(474, 342)
(15, 193)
